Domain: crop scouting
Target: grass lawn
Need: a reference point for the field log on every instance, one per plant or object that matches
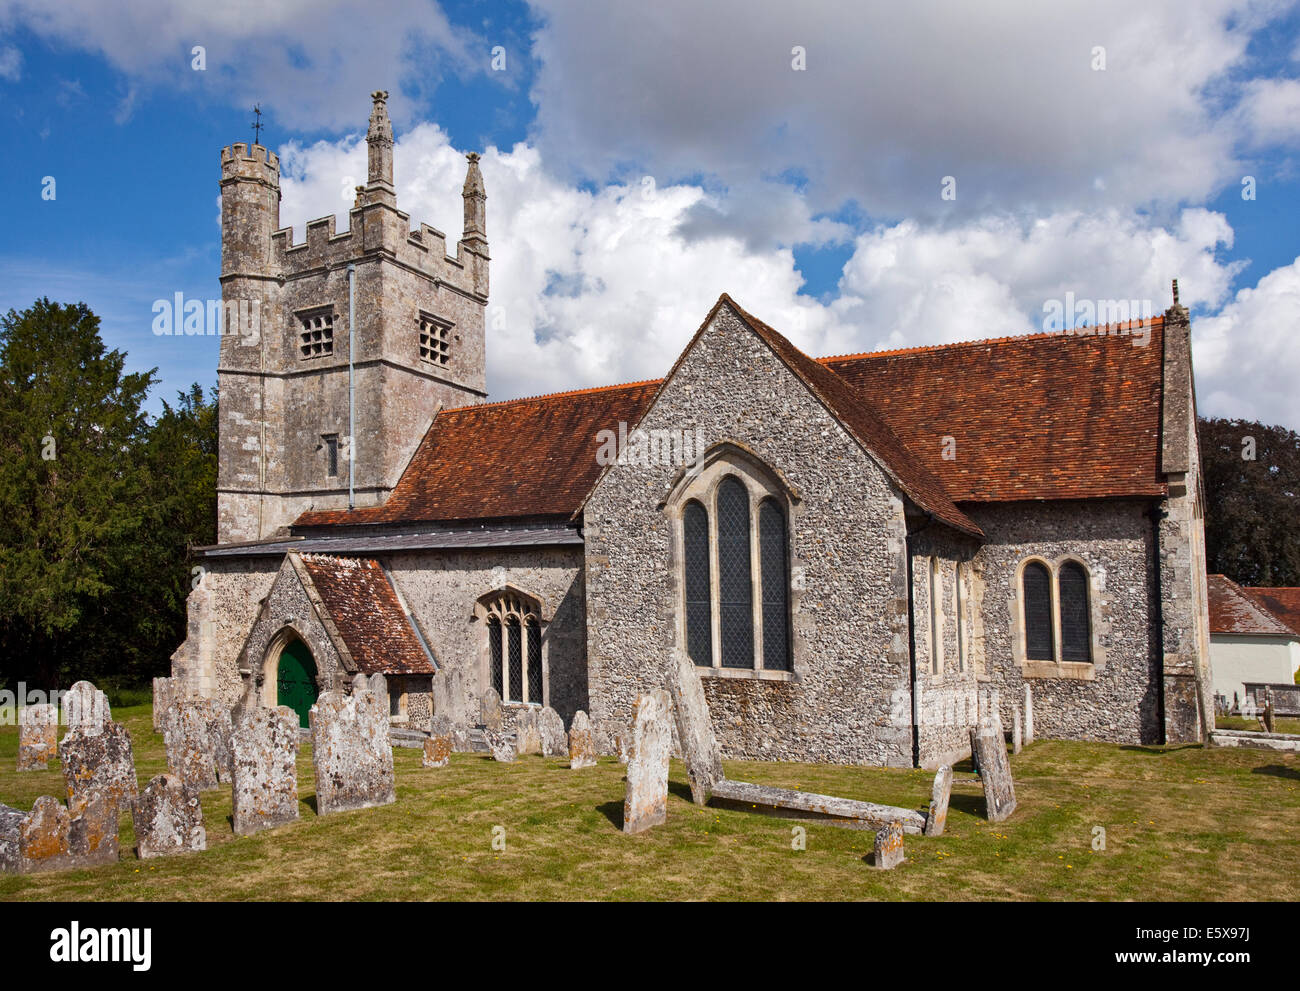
(1281, 724)
(1181, 823)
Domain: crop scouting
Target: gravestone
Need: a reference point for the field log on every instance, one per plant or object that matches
(43, 837)
(197, 737)
(555, 742)
(937, 816)
(501, 746)
(53, 838)
(92, 831)
(38, 737)
(695, 734)
(1015, 731)
(164, 694)
(646, 801)
(438, 747)
(582, 747)
(528, 738)
(888, 852)
(168, 819)
(988, 745)
(11, 821)
(378, 684)
(86, 707)
(264, 790)
(490, 711)
(98, 758)
(1029, 715)
(351, 753)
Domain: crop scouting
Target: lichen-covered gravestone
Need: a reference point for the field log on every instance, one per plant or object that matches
(490, 711)
(646, 801)
(699, 745)
(438, 747)
(501, 746)
(937, 816)
(198, 743)
(555, 742)
(86, 707)
(168, 819)
(98, 759)
(38, 737)
(265, 787)
(888, 852)
(164, 694)
(990, 751)
(351, 752)
(528, 738)
(582, 747)
(11, 821)
(53, 838)
(92, 832)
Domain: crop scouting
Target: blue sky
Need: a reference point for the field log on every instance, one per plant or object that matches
(811, 195)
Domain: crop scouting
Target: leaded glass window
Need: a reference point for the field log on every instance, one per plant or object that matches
(1076, 632)
(515, 667)
(699, 594)
(735, 582)
(534, 661)
(494, 655)
(1039, 642)
(772, 558)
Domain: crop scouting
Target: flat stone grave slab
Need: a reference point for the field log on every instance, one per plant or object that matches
(846, 810)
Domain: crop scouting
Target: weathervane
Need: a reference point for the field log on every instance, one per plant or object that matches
(257, 124)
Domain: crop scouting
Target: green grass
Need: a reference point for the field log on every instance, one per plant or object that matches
(1181, 823)
(1281, 724)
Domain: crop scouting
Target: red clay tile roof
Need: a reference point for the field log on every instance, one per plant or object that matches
(1233, 611)
(521, 458)
(365, 609)
(1044, 416)
(1282, 603)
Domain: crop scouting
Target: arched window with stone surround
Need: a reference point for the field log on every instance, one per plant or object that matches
(1036, 583)
(699, 594)
(1076, 625)
(516, 660)
(734, 562)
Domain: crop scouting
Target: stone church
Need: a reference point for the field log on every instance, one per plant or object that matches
(860, 553)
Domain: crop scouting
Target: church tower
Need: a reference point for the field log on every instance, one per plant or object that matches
(338, 351)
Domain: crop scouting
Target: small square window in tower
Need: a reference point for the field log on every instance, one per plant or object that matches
(435, 341)
(316, 336)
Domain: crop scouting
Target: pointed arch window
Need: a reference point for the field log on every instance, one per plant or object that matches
(1039, 637)
(776, 595)
(699, 595)
(735, 581)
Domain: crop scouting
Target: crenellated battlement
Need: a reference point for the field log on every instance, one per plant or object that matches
(254, 161)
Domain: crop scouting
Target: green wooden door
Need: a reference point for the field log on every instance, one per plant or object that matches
(296, 679)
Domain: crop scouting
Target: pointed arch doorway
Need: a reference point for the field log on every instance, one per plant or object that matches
(295, 679)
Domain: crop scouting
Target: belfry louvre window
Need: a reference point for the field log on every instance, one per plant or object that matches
(1076, 629)
(435, 341)
(1039, 639)
(735, 583)
(316, 333)
(699, 594)
(736, 578)
(516, 661)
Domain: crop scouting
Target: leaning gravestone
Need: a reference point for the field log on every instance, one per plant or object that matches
(265, 784)
(646, 801)
(86, 707)
(490, 710)
(528, 738)
(438, 747)
(990, 750)
(501, 746)
(888, 852)
(98, 759)
(700, 751)
(38, 737)
(164, 694)
(351, 752)
(582, 747)
(940, 793)
(168, 819)
(555, 743)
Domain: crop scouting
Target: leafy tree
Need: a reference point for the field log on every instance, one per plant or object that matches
(1252, 503)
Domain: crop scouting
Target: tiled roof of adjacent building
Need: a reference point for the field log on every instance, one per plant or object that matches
(1283, 603)
(1038, 417)
(1233, 611)
(368, 615)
